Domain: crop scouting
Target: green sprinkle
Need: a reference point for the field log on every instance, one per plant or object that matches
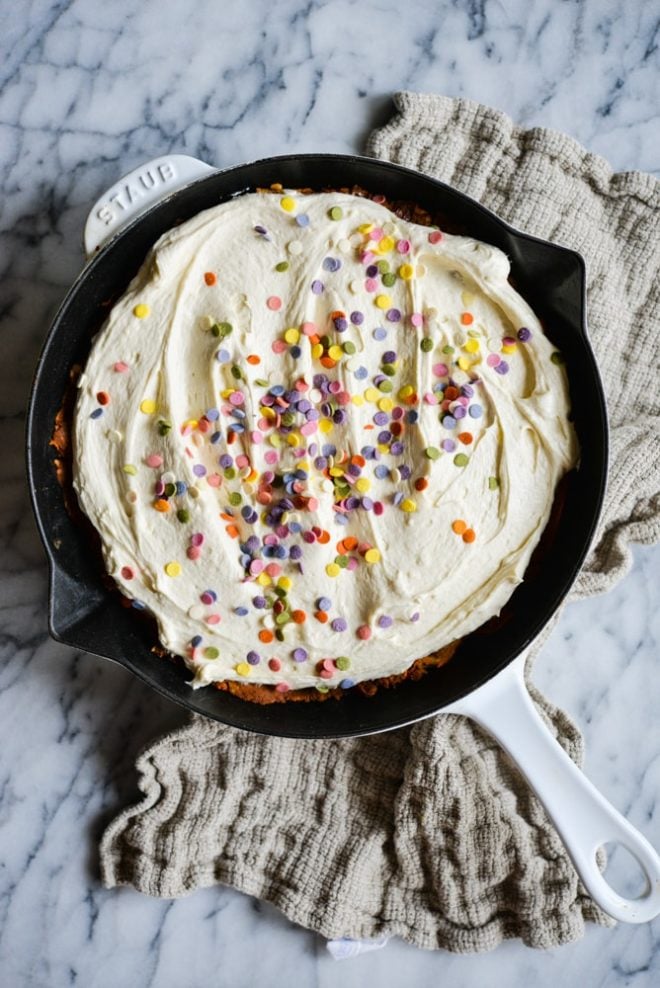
(260, 381)
(335, 213)
(426, 345)
(279, 592)
(322, 689)
(288, 418)
(342, 561)
(230, 473)
(279, 634)
(385, 386)
(211, 652)
(431, 453)
(389, 279)
(235, 499)
(129, 468)
(170, 490)
(282, 618)
(282, 266)
(183, 515)
(447, 349)
(388, 369)
(493, 483)
(348, 347)
(221, 329)
(557, 357)
(164, 427)
(461, 460)
(384, 267)
(236, 372)
(343, 663)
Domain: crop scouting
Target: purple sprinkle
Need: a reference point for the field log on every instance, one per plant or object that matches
(339, 624)
(226, 461)
(396, 449)
(212, 414)
(380, 418)
(317, 287)
(253, 658)
(415, 616)
(381, 471)
(299, 655)
(259, 602)
(379, 333)
(384, 436)
(502, 367)
(323, 604)
(524, 334)
(475, 411)
(397, 498)
(385, 621)
(449, 422)
(448, 445)
(295, 552)
(393, 315)
(372, 271)
(199, 470)
(341, 324)
(352, 503)
(241, 611)
(459, 412)
(357, 318)
(404, 470)
(261, 229)
(367, 503)
(389, 357)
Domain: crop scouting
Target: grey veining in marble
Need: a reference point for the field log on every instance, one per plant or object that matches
(88, 91)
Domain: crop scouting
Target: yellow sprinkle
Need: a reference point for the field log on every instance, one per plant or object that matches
(285, 582)
(363, 484)
(317, 351)
(383, 448)
(372, 394)
(357, 400)
(385, 245)
(509, 349)
(372, 556)
(332, 569)
(365, 228)
(383, 301)
(141, 311)
(292, 335)
(472, 346)
(408, 505)
(406, 271)
(467, 298)
(148, 406)
(226, 392)
(335, 352)
(325, 425)
(251, 477)
(386, 404)
(173, 569)
(268, 413)
(288, 204)
(243, 669)
(275, 440)
(263, 580)
(406, 391)
(293, 439)
(129, 468)
(336, 472)
(463, 363)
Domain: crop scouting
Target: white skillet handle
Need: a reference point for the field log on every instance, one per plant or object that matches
(583, 817)
(136, 192)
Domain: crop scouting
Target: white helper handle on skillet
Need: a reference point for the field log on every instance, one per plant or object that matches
(582, 816)
(136, 192)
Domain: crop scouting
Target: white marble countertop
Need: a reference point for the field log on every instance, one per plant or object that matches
(90, 90)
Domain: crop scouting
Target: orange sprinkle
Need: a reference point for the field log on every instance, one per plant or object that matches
(459, 526)
(232, 531)
(103, 398)
(226, 517)
(265, 636)
(314, 338)
(469, 535)
(231, 437)
(210, 278)
(253, 359)
(321, 616)
(421, 484)
(328, 362)
(162, 505)
(350, 542)
(299, 616)
(341, 548)
(338, 314)
(358, 461)
(467, 318)
(324, 537)
(396, 428)
(451, 392)
(465, 438)
(412, 399)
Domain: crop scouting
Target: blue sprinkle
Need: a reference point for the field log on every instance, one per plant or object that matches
(223, 356)
(361, 373)
(241, 611)
(475, 411)
(197, 640)
(347, 683)
(97, 413)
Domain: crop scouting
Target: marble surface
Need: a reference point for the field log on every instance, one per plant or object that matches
(90, 90)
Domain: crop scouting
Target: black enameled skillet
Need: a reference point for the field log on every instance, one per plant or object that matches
(484, 680)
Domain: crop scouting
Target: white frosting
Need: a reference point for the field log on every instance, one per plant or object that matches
(434, 586)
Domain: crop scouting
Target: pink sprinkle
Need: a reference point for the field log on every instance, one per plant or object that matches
(493, 359)
(274, 665)
(462, 400)
(273, 569)
(127, 572)
(256, 567)
(242, 461)
(203, 425)
(206, 598)
(274, 302)
(263, 424)
(270, 539)
(508, 341)
(376, 234)
(430, 398)
(278, 346)
(435, 237)
(378, 507)
(307, 429)
(312, 504)
(197, 539)
(236, 398)
(403, 246)
(213, 619)
(364, 632)
(308, 328)
(282, 688)
(193, 552)
(154, 460)
(329, 664)
(417, 319)
(343, 398)
(214, 480)
(271, 456)
(334, 387)
(308, 537)
(352, 563)
(120, 367)
(371, 285)
(367, 256)
(440, 370)
(301, 385)
(326, 674)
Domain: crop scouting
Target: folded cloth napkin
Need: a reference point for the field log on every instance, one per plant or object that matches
(429, 833)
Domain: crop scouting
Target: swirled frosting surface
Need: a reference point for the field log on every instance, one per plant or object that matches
(319, 442)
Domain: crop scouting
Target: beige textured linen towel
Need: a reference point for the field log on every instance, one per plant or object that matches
(429, 833)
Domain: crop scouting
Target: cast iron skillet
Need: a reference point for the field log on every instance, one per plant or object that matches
(83, 614)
